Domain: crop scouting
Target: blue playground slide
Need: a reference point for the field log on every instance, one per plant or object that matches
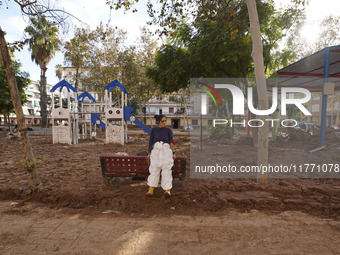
(127, 116)
(95, 117)
(127, 110)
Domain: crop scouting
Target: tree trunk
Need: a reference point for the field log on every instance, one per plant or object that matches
(227, 108)
(13, 88)
(275, 125)
(43, 97)
(233, 127)
(77, 78)
(337, 114)
(142, 114)
(332, 111)
(257, 55)
(184, 113)
(150, 115)
(8, 120)
(6, 117)
(255, 132)
(186, 118)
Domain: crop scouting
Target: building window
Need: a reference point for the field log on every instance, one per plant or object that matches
(171, 110)
(180, 110)
(210, 122)
(194, 122)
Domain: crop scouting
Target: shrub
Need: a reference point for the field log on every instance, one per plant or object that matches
(219, 131)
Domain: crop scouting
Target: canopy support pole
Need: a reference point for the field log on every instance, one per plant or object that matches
(324, 98)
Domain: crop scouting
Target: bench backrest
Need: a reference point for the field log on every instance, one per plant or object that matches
(135, 166)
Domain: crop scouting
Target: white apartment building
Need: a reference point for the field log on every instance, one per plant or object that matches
(178, 114)
(31, 109)
(175, 113)
(69, 74)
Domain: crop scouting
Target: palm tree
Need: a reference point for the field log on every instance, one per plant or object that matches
(76, 52)
(44, 43)
(59, 71)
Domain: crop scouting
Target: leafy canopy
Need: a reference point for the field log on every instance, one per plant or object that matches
(22, 78)
(218, 44)
(43, 40)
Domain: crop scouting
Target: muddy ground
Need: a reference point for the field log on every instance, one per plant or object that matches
(71, 177)
(74, 212)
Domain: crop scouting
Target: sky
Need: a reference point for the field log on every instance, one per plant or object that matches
(92, 12)
(89, 11)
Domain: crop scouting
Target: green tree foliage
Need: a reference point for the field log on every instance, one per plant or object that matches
(44, 43)
(102, 61)
(220, 131)
(169, 14)
(76, 53)
(22, 78)
(145, 88)
(59, 71)
(218, 44)
(130, 70)
(173, 69)
(102, 55)
(32, 8)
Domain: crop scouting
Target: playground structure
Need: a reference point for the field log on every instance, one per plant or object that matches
(78, 116)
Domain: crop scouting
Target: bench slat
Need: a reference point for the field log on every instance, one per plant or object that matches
(135, 166)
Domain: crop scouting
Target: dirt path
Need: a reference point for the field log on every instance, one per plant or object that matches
(29, 228)
(65, 215)
(72, 177)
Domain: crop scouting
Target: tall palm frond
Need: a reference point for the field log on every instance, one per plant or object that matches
(44, 43)
(44, 40)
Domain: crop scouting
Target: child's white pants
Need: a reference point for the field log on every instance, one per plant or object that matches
(161, 161)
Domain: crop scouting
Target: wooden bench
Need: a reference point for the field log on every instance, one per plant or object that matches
(135, 166)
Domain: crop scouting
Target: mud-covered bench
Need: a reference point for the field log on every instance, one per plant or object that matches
(135, 166)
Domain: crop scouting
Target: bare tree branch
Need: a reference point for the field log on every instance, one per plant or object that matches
(32, 8)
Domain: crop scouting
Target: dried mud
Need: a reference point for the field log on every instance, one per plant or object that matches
(71, 177)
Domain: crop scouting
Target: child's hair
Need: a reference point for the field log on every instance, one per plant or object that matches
(159, 117)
